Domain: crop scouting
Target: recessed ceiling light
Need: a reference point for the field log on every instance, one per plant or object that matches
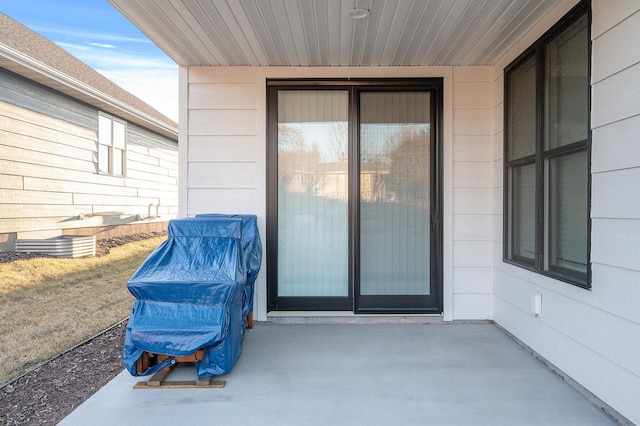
(359, 13)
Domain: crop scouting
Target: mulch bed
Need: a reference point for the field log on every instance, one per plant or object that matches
(48, 393)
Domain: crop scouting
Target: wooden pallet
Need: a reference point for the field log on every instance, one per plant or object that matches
(250, 320)
(159, 379)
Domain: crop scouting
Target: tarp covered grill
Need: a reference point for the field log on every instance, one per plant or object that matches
(192, 293)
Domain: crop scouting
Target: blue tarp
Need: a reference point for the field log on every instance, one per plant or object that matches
(252, 248)
(191, 294)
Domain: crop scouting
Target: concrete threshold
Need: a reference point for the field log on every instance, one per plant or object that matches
(341, 317)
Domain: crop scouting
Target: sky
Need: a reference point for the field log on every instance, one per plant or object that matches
(97, 34)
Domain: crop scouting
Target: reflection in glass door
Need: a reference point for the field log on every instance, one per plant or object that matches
(312, 194)
(395, 198)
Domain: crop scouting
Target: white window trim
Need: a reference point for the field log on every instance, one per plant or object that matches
(110, 147)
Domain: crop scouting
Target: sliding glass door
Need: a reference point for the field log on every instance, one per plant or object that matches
(352, 196)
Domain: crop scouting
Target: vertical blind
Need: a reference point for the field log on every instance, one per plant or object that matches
(567, 122)
(521, 121)
(568, 211)
(312, 193)
(394, 181)
(566, 83)
(524, 211)
(312, 106)
(395, 220)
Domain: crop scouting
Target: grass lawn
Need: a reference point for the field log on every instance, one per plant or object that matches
(48, 305)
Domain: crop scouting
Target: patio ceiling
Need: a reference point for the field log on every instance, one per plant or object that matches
(321, 33)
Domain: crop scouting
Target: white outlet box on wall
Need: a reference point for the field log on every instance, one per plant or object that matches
(536, 304)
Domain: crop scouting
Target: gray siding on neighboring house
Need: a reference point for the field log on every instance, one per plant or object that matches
(17, 90)
(49, 163)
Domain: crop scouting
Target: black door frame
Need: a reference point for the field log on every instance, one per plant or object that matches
(394, 304)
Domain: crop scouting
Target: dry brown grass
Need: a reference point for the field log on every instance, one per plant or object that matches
(49, 305)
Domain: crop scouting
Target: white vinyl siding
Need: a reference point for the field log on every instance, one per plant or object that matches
(592, 336)
(472, 183)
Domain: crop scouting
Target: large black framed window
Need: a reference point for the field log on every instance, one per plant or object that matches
(547, 152)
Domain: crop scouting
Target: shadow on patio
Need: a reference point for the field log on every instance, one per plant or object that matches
(359, 374)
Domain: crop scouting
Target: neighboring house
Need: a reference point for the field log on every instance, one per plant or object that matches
(78, 154)
(525, 115)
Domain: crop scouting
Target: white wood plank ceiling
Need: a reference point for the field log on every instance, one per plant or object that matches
(320, 32)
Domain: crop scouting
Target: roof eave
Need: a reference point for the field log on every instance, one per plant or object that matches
(18, 63)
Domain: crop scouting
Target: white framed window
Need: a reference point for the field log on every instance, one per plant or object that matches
(112, 145)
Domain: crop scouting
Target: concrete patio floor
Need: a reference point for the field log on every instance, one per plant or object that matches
(359, 374)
